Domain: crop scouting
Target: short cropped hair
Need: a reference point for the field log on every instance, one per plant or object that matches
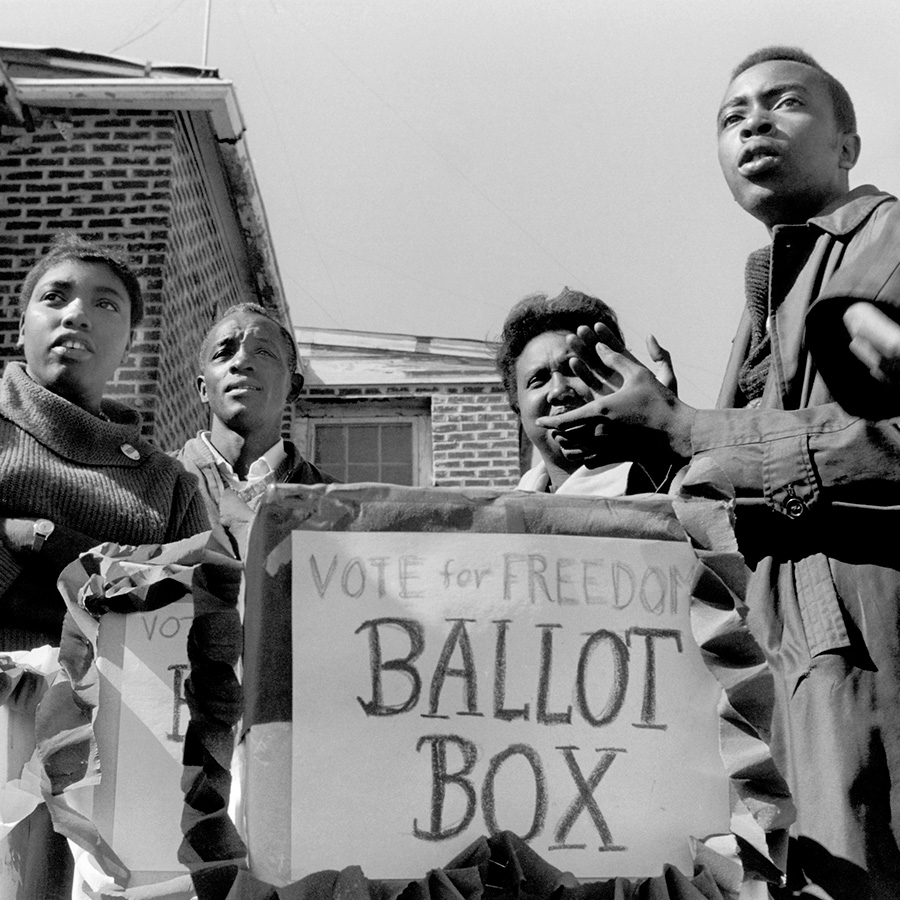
(68, 246)
(537, 314)
(844, 114)
(256, 310)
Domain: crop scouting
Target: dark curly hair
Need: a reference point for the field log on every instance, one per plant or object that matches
(844, 114)
(537, 314)
(67, 246)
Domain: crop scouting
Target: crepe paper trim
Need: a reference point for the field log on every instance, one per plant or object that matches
(25, 676)
(501, 867)
(762, 809)
(212, 849)
(109, 578)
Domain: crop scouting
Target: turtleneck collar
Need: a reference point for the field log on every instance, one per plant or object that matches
(67, 429)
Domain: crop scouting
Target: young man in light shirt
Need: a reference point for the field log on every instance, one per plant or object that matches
(248, 372)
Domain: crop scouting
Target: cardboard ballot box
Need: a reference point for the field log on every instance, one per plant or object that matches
(425, 666)
(141, 721)
(113, 737)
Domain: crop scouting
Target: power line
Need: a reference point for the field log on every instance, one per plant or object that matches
(285, 155)
(436, 150)
(153, 27)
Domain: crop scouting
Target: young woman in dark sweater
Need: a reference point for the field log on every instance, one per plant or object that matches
(74, 471)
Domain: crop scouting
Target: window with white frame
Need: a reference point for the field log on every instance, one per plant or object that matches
(395, 449)
(371, 451)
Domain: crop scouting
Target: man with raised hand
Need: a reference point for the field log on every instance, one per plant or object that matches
(817, 489)
(248, 373)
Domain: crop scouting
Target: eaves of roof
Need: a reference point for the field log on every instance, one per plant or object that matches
(53, 77)
(341, 341)
(214, 96)
(32, 60)
(340, 357)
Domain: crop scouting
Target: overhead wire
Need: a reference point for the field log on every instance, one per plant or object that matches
(477, 188)
(436, 150)
(152, 28)
(293, 180)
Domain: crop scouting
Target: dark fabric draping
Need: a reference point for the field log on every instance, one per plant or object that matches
(211, 848)
(502, 867)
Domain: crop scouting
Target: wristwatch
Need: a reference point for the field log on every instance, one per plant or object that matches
(43, 528)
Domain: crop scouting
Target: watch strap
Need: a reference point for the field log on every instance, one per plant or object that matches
(42, 529)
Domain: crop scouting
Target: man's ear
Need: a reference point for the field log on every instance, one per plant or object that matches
(21, 340)
(296, 386)
(851, 144)
(201, 389)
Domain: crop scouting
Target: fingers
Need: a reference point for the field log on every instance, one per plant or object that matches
(583, 416)
(864, 320)
(601, 378)
(584, 344)
(587, 338)
(588, 362)
(864, 351)
(664, 370)
(593, 377)
(875, 340)
(601, 361)
(590, 344)
(657, 353)
(606, 336)
(585, 362)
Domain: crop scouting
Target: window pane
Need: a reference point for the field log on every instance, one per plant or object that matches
(397, 473)
(362, 443)
(396, 443)
(362, 472)
(330, 445)
(366, 452)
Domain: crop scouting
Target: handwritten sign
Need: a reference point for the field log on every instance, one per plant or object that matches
(450, 685)
(141, 720)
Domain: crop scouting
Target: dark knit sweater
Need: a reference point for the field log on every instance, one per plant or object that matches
(199, 460)
(755, 370)
(59, 462)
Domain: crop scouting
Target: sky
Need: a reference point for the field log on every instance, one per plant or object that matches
(424, 164)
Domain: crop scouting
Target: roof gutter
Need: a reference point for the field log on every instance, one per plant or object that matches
(215, 97)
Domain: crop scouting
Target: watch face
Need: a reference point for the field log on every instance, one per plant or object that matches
(44, 527)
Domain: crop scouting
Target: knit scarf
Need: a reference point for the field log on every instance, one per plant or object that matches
(755, 369)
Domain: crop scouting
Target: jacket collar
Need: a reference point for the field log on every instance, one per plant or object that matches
(850, 211)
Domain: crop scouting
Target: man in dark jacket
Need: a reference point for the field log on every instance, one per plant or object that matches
(817, 487)
(248, 372)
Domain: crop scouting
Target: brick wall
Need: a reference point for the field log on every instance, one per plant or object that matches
(104, 175)
(129, 178)
(476, 438)
(197, 288)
